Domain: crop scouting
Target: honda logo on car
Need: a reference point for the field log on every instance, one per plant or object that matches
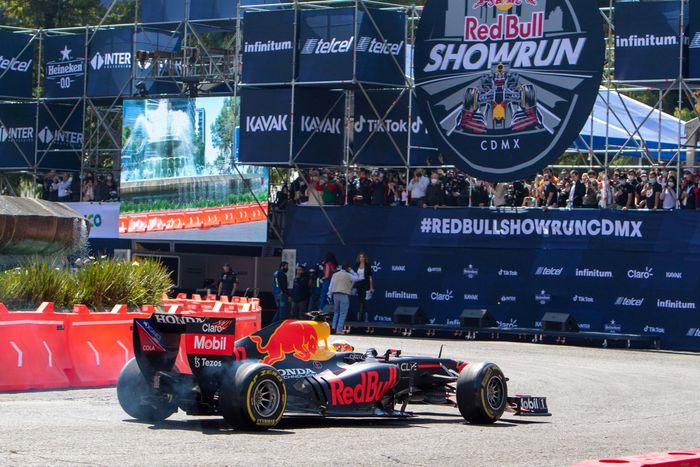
(295, 373)
(627, 301)
(208, 344)
(647, 273)
(176, 319)
(371, 388)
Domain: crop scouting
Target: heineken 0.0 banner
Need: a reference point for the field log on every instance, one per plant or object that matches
(505, 86)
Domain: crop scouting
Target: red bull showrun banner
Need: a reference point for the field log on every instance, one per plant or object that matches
(505, 86)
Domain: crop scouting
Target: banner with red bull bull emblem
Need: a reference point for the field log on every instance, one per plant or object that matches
(505, 86)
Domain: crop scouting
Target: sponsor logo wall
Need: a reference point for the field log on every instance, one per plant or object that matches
(622, 285)
(16, 58)
(64, 66)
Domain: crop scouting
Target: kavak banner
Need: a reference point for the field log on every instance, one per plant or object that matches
(16, 57)
(17, 136)
(267, 126)
(644, 32)
(268, 47)
(65, 66)
(109, 58)
(506, 86)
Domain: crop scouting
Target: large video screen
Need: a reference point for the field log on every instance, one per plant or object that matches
(179, 179)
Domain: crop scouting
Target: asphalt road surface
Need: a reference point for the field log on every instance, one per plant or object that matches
(605, 403)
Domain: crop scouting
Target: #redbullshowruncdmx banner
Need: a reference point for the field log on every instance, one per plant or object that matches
(643, 33)
(16, 54)
(505, 86)
(65, 66)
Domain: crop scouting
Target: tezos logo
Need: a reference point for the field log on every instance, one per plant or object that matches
(471, 272)
(505, 86)
(647, 273)
(543, 298)
(442, 297)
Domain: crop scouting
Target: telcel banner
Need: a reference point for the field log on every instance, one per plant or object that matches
(643, 33)
(16, 54)
(505, 86)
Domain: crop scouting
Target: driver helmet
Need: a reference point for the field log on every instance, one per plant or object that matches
(341, 345)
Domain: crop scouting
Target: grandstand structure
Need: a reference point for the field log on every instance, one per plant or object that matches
(189, 48)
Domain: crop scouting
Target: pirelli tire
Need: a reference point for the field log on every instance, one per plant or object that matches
(252, 397)
(482, 393)
(137, 398)
(529, 97)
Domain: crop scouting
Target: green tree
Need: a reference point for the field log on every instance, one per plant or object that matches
(63, 13)
(224, 127)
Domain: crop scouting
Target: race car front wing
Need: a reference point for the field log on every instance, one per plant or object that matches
(530, 406)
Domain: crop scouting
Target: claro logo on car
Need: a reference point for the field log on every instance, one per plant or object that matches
(505, 86)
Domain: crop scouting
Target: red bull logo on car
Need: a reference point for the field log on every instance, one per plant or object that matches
(371, 388)
(299, 338)
(502, 4)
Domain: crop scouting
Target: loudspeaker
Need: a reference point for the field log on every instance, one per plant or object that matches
(477, 319)
(409, 315)
(559, 322)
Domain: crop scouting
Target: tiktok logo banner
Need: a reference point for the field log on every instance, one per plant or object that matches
(505, 86)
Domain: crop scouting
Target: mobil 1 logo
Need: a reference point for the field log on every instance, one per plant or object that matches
(505, 86)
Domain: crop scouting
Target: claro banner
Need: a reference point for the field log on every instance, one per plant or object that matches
(16, 54)
(614, 271)
(506, 86)
(103, 218)
(643, 33)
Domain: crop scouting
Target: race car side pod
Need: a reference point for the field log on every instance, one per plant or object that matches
(688, 458)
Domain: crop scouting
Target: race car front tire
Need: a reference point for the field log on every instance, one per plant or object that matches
(136, 397)
(481, 393)
(253, 397)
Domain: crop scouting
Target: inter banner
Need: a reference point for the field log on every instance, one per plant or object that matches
(110, 59)
(641, 280)
(643, 33)
(267, 126)
(16, 58)
(17, 138)
(65, 66)
(268, 47)
(60, 136)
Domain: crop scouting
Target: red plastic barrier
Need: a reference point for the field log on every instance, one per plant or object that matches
(689, 458)
(99, 345)
(33, 350)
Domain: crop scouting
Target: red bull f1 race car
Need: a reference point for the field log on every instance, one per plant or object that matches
(500, 102)
(289, 368)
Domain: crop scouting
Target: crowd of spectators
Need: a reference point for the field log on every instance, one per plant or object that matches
(70, 187)
(655, 189)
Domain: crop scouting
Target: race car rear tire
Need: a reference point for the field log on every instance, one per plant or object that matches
(481, 393)
(253, 397)
(132, 388)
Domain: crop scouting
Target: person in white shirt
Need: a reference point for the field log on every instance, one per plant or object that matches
(340, 289)
(63, 187)
(669, 195)
(417, 187)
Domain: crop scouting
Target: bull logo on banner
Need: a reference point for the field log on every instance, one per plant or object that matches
(505, 86)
